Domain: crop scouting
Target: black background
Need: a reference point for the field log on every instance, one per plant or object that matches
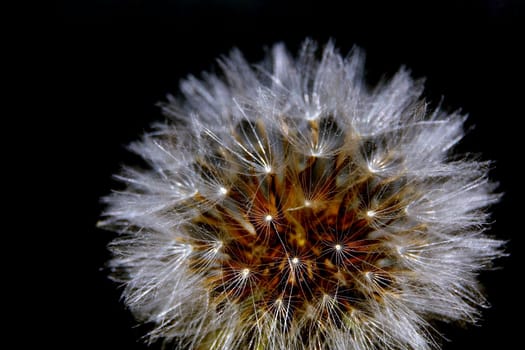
(110, 62)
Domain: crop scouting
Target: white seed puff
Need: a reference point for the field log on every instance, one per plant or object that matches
(287, 205)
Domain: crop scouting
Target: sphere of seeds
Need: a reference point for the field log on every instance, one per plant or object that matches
(288, 206)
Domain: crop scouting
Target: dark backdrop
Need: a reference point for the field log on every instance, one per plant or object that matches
(111, 61)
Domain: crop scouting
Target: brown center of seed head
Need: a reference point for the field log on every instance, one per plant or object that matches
(303, 232)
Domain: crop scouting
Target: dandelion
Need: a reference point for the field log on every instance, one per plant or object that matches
(289, 206)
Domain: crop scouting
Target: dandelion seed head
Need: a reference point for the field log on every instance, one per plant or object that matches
(275, 212)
